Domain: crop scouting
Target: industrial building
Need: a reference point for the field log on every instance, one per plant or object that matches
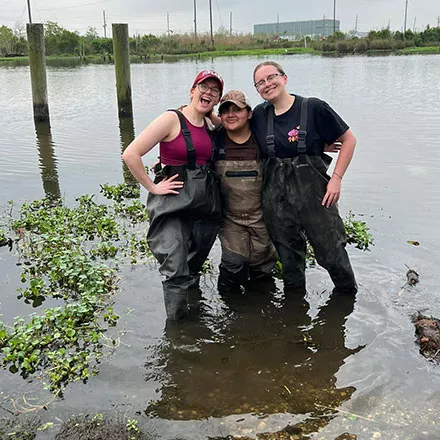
(299, 29)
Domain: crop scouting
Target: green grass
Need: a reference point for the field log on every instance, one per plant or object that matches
(420, 50)
(223, 53)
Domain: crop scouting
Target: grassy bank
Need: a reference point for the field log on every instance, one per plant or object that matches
(220, 53)
(173, 57)
(420, 50)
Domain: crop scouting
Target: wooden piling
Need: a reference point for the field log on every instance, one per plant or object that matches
(37, 62)
(121, 52)
(126, 131)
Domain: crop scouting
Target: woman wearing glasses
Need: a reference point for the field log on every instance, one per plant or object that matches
(299, 198)
(182, 230)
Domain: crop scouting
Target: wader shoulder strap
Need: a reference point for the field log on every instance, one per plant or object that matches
(218, 136)
(302, 132)
(270, 137)
(187, 136)
(211, 136)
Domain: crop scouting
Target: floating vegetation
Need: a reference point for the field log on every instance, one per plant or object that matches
(70, 254)
(357, 232)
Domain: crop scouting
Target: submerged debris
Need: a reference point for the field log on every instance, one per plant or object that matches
(412, 277)
(428, 336)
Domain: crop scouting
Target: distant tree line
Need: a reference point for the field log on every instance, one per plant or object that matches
(383, 39)
(60, 41)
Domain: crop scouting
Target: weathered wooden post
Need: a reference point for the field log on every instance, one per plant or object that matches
(121, 53)
(37, 62)
(126, 131)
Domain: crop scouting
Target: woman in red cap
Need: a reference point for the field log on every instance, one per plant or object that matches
(183, 200)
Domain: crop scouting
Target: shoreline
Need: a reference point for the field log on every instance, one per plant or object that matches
(135, 58)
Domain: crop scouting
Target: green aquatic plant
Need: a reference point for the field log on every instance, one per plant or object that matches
(70, 254)
(357, 232)
(3, 239)
(63, 342)
(136, 211)
(120, 192)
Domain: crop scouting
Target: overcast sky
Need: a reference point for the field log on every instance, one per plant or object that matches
(157, 16)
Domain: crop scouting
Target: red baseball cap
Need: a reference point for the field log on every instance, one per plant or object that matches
(206, 74)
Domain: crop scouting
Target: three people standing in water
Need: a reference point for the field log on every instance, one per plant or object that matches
(298, 198)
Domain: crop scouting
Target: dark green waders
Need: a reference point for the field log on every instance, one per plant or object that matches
(292, 204)
(183, 228)
(181, 246)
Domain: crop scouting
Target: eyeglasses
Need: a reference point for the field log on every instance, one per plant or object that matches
(270, 79)
(203, 88)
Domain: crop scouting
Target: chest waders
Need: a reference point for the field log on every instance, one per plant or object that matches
(247, 251)
(180, 239)
(292, 204)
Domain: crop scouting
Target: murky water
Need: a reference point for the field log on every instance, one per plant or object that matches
(242, 366)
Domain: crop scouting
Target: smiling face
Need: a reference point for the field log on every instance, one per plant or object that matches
(205, 95)
(235, 118)
(270, 82)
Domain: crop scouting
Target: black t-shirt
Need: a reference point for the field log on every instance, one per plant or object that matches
(324, 125)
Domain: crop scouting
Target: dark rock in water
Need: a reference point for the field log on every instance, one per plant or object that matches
(428, 336)
(346, 436)
(412, 277)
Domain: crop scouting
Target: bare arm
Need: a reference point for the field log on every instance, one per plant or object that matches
(163, 128)
(348, 143)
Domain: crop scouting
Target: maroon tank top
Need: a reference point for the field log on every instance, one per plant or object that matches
(174, 152)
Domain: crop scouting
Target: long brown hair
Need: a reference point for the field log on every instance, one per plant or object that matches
(269, 63)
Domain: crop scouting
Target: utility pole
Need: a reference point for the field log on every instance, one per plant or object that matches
(414, 25)
(210, 21)
(230, 23)
(334, 16)
(104, 25)
(278, 24)
(406, 15)
(195, 21)
(168, 23)
(29, 11)
(356, 25)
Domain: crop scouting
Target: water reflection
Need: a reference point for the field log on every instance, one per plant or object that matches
(259, 355)
(48, 161)
(126, 132)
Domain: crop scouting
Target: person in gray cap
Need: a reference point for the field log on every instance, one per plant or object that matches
(247, 251)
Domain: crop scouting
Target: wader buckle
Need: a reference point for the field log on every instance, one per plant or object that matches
(302, 135)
